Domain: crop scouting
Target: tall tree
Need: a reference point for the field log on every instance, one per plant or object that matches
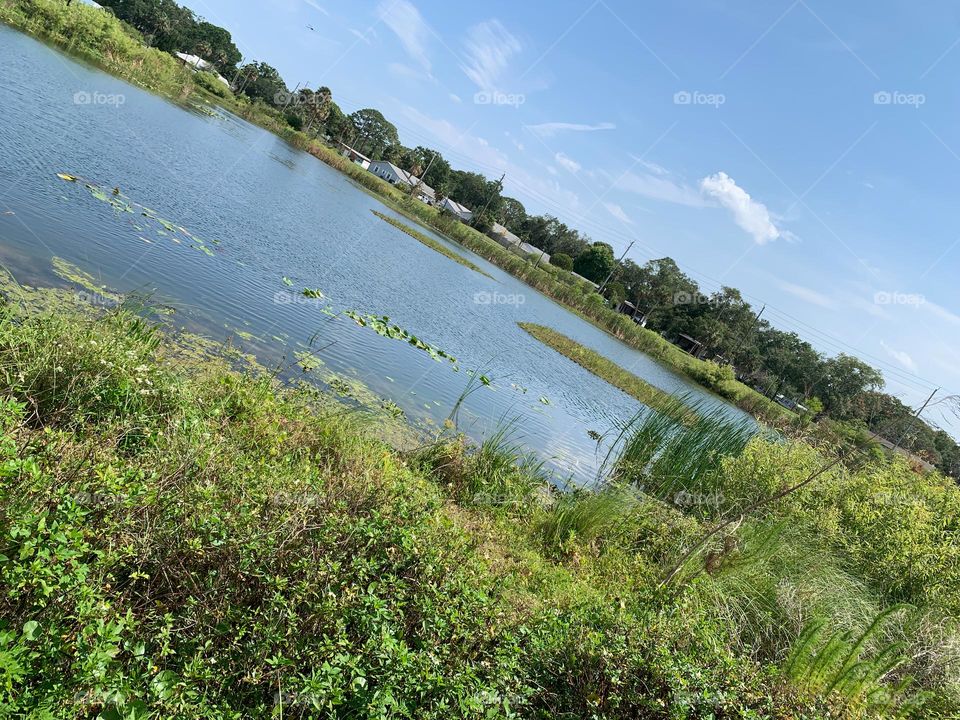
(373, 132)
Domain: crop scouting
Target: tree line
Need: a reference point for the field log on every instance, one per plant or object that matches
(663, 298)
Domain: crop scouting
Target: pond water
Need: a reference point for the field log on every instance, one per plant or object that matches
(268, 211)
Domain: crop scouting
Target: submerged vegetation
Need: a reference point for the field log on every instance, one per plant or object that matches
(430, 243)
(180, 538)
(595, 363)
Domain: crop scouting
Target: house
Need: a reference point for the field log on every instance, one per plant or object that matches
(354, 157)
(689, 344)
(400, 177)
(510, 241)
(461, 212)
(199, 64)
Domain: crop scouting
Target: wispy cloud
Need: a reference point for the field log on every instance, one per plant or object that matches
(549, 129)
(901, 356)
(456, 98)
(941, 312)
(660, 187)
(364, 35)
(316, 6)
(405, 21)
(617, 212)
(807, 294)
(488, 47)
(751, 215)
(566, 162)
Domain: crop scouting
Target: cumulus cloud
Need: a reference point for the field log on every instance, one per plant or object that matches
(752, 216)
(549, 129)
(488, 49)
(409, 26)
(617, 212)
(567, 163)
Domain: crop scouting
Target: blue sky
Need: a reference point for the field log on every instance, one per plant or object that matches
(803, 151)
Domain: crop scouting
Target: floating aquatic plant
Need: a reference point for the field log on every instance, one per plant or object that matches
(382, 326)
(123, 204)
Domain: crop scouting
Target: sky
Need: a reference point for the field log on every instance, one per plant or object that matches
(805, 152)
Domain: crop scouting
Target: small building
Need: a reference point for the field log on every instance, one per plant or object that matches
(462, 213)
(354, 156)
(200, 65)
(400, 177)
(689, 345)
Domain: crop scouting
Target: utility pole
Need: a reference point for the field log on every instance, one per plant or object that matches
(420, 178)
(604, 284)
(487, 203)
(909, 426)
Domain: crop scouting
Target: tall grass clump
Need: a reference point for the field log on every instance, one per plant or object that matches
(680, 462)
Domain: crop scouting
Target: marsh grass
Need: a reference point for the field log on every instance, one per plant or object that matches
(680, 462)
(609, 371)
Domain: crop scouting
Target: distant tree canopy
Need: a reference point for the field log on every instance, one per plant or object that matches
(260, 81)
(173, 28)
(595, 263)
(373, 133)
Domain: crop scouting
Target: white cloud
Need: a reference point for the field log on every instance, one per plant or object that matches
(750, 215)
(549, 129)
(364, 35)
(941, 312)
(455, 98)
(457, 144)
(316, 6)
(488, 47)
(617, 212)
(900, 356)
(408, 25)
(404, 71)
(807, 294)
(660, 187)
(567, 163)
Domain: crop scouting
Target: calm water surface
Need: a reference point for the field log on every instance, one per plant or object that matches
(275, 212)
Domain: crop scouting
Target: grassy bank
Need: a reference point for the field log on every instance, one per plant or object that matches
(430, 243)
(180, 539)
(611, 372)
(101, 39)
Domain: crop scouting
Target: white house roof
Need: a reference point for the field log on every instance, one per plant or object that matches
(409, 178)
(457, 207)
(506, 234)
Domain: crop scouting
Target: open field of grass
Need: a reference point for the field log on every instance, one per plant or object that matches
(179, 538)
(430, 243)
(611, 372)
